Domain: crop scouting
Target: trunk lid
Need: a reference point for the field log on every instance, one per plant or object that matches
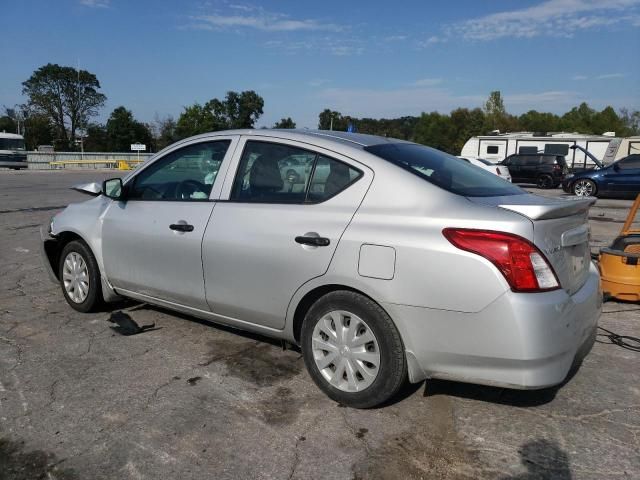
(560, 231)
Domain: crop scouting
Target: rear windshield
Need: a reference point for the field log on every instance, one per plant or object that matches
(444, 170)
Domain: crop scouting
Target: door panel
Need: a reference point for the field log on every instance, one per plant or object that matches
(152, 242)
(252, 262)
(143, 254)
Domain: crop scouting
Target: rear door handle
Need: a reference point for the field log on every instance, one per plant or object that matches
(313, 241)
(181, 227)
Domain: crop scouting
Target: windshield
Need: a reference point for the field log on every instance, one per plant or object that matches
(444, 170)
(11, 144)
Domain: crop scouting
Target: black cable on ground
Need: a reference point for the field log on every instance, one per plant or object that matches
(624, 341)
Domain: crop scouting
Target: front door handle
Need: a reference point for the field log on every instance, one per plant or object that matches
(313, 241)
(181, 227)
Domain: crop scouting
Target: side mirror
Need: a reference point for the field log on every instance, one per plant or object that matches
(112, 188)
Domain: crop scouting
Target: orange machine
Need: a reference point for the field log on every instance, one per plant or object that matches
(619, 263)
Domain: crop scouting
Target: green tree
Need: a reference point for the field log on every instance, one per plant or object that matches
(66, 96)
(38, 130)
(465, 124)
(237, 110)
(164, 132)
(631, 122)
(578, 119)
(535, 121)
(331, 119)
(437, 131)
(123, 130)
(96, 139)
(285, 123)
(495, 111)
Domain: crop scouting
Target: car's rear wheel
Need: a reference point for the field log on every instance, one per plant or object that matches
(584, 187)
(545, 181)
(352, 350)
(80, 277)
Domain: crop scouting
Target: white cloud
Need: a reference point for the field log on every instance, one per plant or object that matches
(324, 45)
(395, 38)
(432, 41)
(426, 82)
(254, 17)
(608, 76)
(95, 3)
(551, 17)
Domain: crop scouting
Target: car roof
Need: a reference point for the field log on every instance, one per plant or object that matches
(357, 140)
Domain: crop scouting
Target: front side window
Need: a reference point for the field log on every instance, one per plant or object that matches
(186, 174)
(444, 170)
(632, 161)
(277, 173)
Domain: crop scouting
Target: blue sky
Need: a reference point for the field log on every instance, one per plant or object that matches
(373, 58)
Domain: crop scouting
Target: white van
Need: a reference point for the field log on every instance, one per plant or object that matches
(12, 151)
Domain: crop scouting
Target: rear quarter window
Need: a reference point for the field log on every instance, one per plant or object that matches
(444, 170)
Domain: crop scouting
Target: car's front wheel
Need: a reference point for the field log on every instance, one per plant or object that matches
(80, 277)
(352, 350)
(584, 187)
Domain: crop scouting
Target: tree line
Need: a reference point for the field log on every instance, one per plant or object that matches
(63, 101)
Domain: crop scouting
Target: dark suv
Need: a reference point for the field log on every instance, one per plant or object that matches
(545, 170)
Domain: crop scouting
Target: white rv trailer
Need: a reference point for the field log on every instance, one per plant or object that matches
(622, 147)
(12, 151)
(497, 147)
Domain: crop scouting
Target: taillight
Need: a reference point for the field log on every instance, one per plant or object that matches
(522, 264)
(557, 168)
(498, 171)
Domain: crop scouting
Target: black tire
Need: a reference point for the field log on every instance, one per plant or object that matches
(94, 297)
(545, 181)
(392, 372)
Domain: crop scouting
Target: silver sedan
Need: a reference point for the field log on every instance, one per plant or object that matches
(383, 260)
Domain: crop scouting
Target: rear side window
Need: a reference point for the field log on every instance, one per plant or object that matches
(277, 173)
(444, 170)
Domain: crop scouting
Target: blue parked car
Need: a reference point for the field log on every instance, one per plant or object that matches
(620, 179)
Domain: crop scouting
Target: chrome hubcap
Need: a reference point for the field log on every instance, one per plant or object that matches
(75, 276)
(346, 351)
(583, 188)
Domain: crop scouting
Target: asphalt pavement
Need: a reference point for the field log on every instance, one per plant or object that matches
(192, 400)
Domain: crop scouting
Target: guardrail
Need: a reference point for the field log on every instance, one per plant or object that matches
(58, 160)
(115, 163)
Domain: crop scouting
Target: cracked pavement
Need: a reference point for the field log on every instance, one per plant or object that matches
(194, 400)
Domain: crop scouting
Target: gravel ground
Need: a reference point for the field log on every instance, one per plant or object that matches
(194, 400)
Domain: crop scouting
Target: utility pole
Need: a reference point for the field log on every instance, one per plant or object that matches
(331, 123)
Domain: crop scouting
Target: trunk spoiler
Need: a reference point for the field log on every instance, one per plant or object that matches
(536, 207)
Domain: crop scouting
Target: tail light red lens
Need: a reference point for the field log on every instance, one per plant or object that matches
(524, 266)
(498, 171)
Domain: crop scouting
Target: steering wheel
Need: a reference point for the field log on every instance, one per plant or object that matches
(187, 187)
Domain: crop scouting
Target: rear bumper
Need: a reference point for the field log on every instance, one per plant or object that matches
(524, 341)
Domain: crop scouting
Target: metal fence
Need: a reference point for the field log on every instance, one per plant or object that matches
(54, 160)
